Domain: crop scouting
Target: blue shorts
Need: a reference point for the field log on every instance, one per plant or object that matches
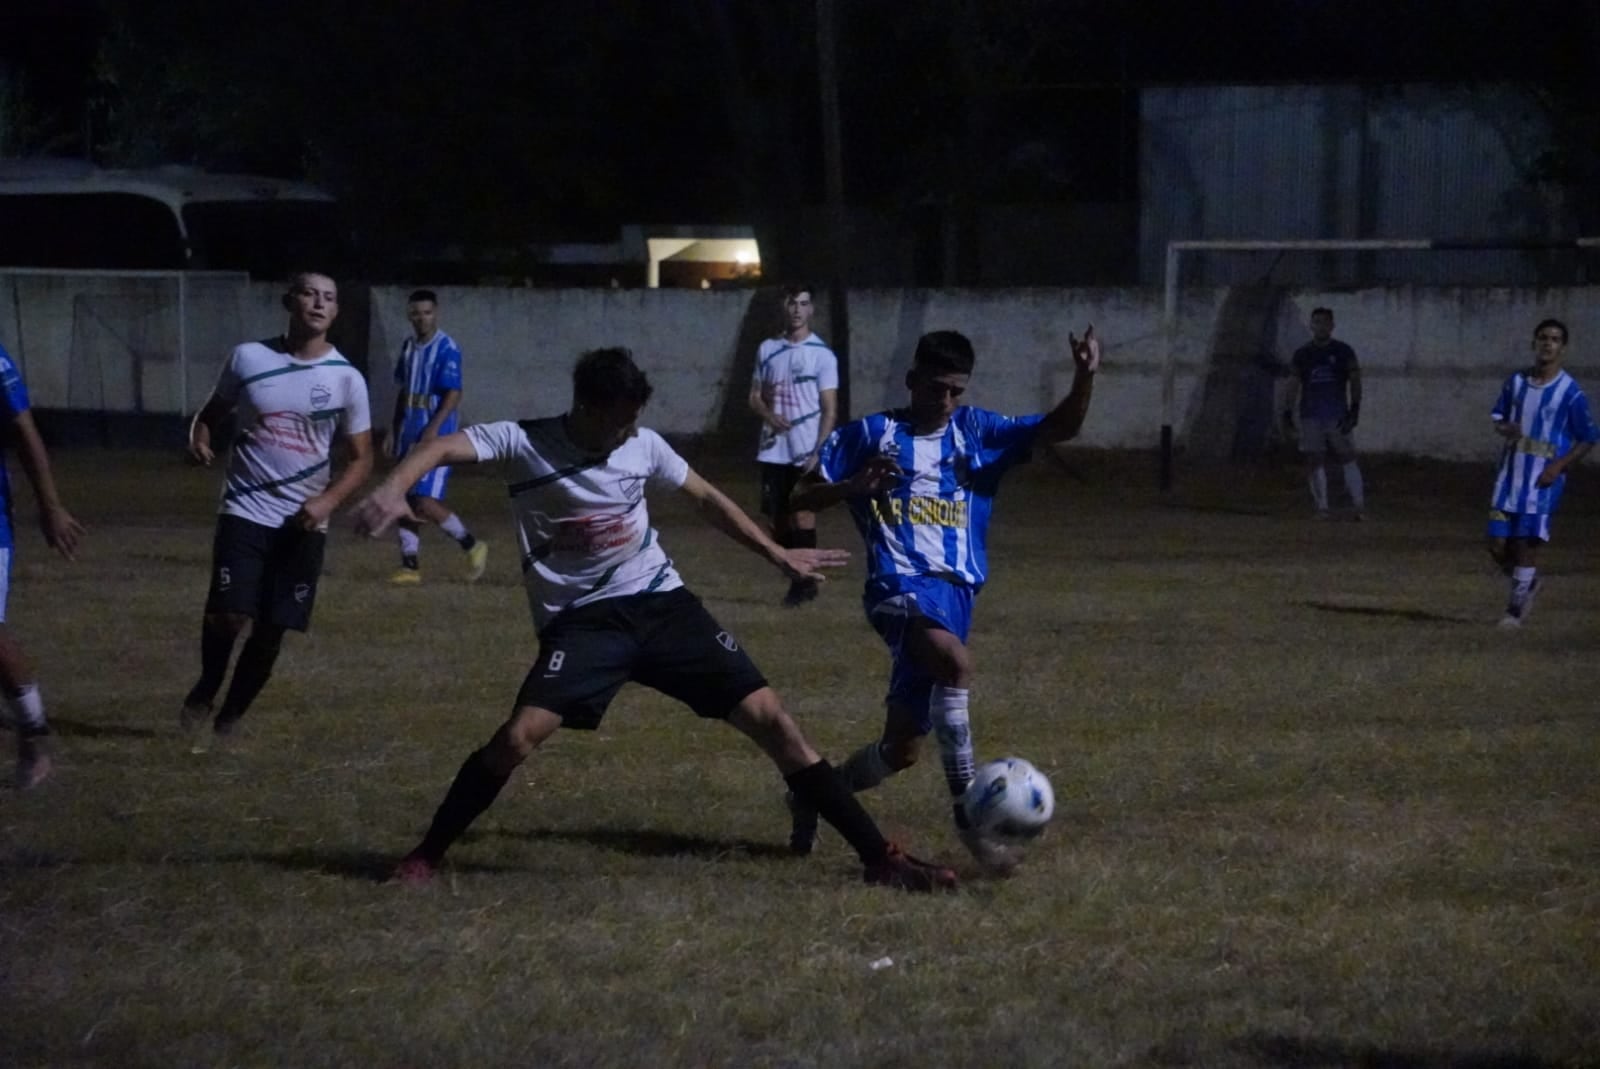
(941, 604)
(1534, 525)
(431, 484)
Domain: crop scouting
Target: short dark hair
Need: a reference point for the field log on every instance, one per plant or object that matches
(1315, 312)
(1562, 327)
(603, 376)
(422, 295)
(944, 352)
(795, 289)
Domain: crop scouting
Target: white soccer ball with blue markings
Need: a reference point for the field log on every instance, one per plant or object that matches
(1009, 800)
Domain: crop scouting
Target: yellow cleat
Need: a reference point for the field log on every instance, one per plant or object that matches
(406, 577)
(477, 560)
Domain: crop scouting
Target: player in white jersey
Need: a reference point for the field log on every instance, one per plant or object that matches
(1544, 417)
(61, 533)
(795, 392)
(291, 398)
(427, 377)
(609, 607)
(919, 482)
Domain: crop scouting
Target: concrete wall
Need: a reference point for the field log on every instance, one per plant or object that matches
(1432, 358)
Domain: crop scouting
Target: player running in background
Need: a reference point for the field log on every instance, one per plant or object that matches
(61, 533)
(428, 375)
(1325, 390)
(292, 396)
(609, 607)
(1544, 417)
(919, 482)
(795, 392)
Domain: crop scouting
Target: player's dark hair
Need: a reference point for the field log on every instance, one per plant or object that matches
(423, 295)
(1322, 312)
(944, 352)
(1543, 323)
(795, 289)
(603, 376)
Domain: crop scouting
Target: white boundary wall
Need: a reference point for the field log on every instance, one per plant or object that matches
(1432, 359)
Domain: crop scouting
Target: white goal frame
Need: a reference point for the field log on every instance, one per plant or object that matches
(1176, 249)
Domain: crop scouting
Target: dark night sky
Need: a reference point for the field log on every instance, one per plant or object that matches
(621, 108)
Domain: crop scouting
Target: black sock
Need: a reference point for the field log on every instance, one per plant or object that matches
(251, 673)
(409, 560)
(473, 791)
(466, 542)
(216, 647)
(820, 787)
(800, 539)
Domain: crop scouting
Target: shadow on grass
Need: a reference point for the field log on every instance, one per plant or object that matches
(78, 729)
(1302, 1053)
(648, 843)
(1421, 616)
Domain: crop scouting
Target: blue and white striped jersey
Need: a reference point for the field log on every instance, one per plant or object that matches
(1553, 417)
(425, 373)
(14, 401)
(935, 521)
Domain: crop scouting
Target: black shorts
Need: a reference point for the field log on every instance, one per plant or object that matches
(777, 483)
(666, 641)
(266, 573)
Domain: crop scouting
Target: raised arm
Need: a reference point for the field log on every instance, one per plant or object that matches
(379, 510)
(732, 521)
(1066, 419)
(61, 531)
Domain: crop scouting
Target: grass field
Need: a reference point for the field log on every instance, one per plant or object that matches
(1313, 809)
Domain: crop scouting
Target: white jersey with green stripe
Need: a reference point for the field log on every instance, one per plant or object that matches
(287, 411)
(582, 520)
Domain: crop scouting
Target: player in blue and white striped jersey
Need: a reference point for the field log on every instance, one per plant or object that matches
(428, 380)
(919, 482)
(61, 533)
(1543, 415)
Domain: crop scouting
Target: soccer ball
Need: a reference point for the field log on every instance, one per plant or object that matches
(1009, 800)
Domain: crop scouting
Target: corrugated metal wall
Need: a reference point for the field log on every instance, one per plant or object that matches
(1316, 162)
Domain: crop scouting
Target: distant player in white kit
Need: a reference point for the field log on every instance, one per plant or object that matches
(610, 608)
(292, 397)
(795, 392)
(1544, 417)
(428, 377)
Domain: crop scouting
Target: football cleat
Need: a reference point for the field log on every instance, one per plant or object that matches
(477, 561)
(414, 870)
(900, 870)
(406, 577)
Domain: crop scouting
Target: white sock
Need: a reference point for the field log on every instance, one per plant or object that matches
(866, 768)
(948, 707)
(1354, 486)
(1319, 488)
(410, 541)
(1521, 585)
(453, 527)
(28, 707)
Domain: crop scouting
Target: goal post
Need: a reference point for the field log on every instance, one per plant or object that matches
(1173, 269)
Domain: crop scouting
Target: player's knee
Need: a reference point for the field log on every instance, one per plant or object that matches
(520, 736)
(231, 623)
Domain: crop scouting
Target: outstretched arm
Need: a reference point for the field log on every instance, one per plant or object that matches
(733, 521)
(61, 531)
(379, 510)
(813, 493)
(1066, 419)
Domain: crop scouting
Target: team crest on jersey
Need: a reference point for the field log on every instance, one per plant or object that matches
(726, 641)
(320, 396)
(632, 487)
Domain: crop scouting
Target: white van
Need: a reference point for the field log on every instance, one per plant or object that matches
(71, 214)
